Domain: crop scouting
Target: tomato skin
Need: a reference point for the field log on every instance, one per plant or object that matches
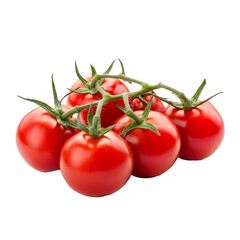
(110, 112)
(201, 130)
(157, 104)
(153, 154)
(96, 167)
(39, 139)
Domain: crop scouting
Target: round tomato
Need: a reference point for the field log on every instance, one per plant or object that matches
(152, 154)
(40, 138)
(157, 104)
(201, 130)
(96, 167)
(110, 112)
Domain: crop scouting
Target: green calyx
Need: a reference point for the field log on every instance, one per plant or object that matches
(89, 87)
(137, 122)
(57, 111)
(94, 125)
(188, 103)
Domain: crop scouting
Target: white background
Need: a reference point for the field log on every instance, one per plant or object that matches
(177, 42)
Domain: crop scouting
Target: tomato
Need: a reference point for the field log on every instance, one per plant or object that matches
(153, 154)
(110, 112)
(201, 130)
(96, 167)
(157, 104)
(40, 138)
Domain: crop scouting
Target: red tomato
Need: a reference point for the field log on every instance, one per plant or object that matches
(152, 154)
(157, 104)
(96, 167)
(201, 130)
(110, 112)
(40, 138)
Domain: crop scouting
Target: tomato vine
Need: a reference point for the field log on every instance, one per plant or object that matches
(95, 86)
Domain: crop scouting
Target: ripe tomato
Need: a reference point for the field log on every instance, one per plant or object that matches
(152, 154)
(40, 138)
(157, 104)
(110, 112)
(201, 130)
(96, 167)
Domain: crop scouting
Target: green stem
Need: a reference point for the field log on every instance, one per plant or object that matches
(100, 89)
(97, 118)
(78, 109)
(97, 77)
(147, 88)
(99, 108)
(134, 117)
(179, 94)
(126, 101)
(129, 111)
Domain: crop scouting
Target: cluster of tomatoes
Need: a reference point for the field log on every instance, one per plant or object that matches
(101, 166)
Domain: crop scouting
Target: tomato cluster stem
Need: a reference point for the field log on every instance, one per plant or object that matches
(97, 118)
(146, 88)
(118, 76)
(185, 103)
